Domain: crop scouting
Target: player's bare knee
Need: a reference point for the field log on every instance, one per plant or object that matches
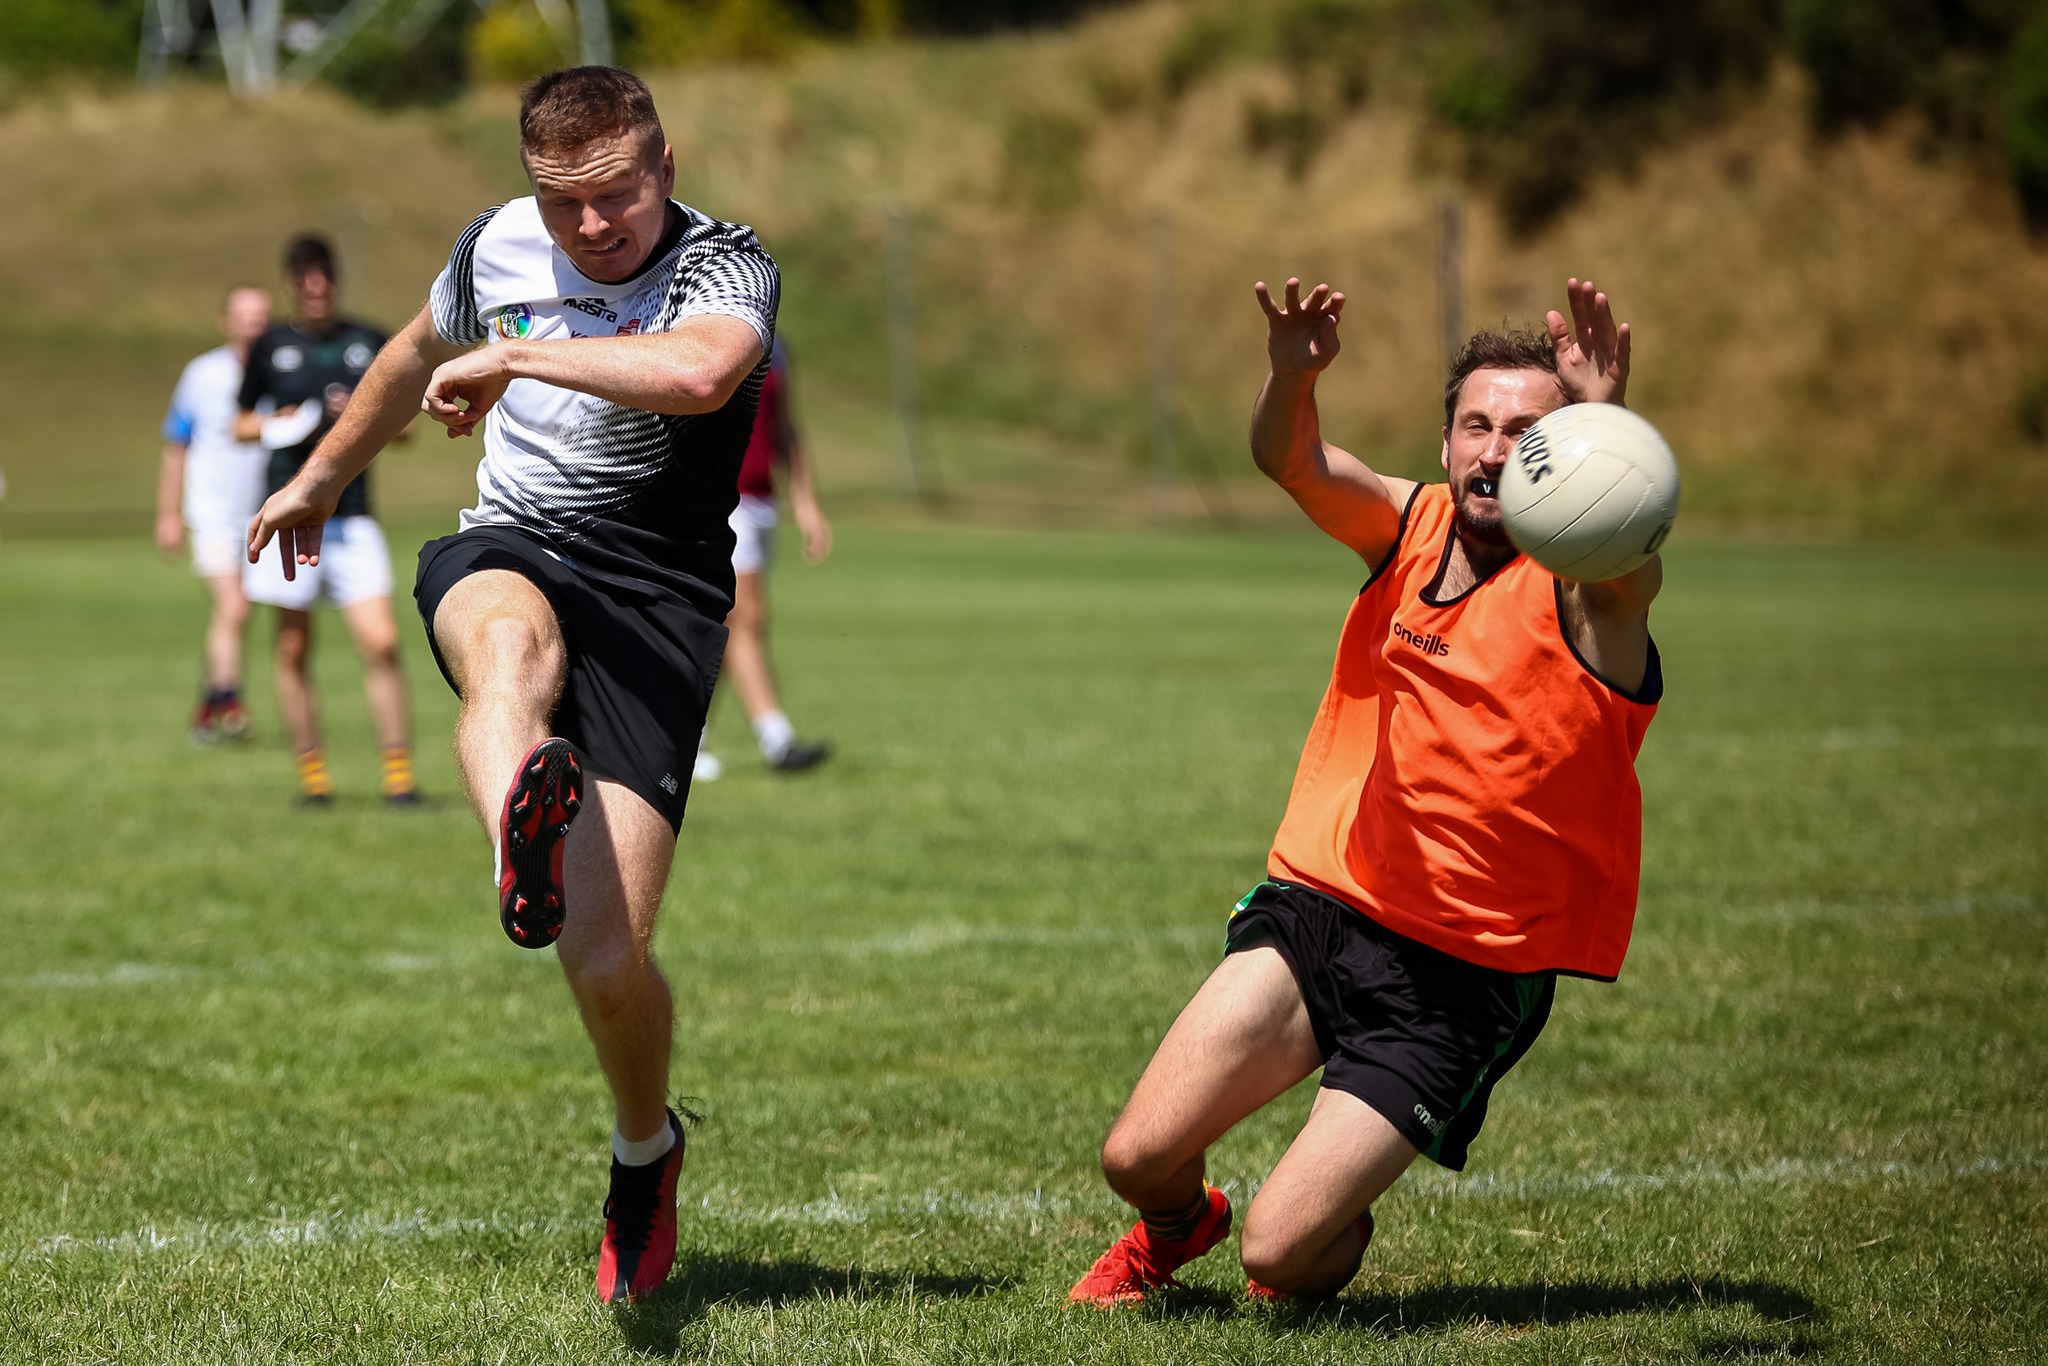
(293, 648)
(1134, 1164)
(515, 650)
(1273, 1259)
(379, 650)
(1281, 1258)
(613, 982)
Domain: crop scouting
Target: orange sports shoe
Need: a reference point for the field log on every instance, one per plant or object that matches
(1137, 1263)
(1266, 1294)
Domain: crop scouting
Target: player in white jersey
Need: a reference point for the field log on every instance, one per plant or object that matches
(577, 612)
(209, 485)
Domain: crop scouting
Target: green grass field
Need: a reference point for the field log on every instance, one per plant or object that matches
(273, 1087)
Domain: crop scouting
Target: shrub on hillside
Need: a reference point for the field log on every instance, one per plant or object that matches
(1870, 58)
(2026, 114)
(386, 66)
(1544, 96)
(41, 37)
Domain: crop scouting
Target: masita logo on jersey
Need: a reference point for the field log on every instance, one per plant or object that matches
(594, 307)
(514, 323)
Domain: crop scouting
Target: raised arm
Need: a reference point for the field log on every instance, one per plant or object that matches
(377, 412)
(1609, 622)
(1336, 489)
(694, 368)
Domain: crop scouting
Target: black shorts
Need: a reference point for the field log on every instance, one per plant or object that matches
(641, 664)
(1418, 1035)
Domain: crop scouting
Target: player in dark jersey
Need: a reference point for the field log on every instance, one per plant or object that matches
(297, 383)
(578, 612)
(775, 445)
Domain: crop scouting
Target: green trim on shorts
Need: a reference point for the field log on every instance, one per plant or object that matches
(1528, 995)
(1238, 909)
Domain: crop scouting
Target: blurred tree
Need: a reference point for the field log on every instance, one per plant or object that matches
(394, 63)
(980, 16)
(679, 32)
(1870, 58)
(516, 40)
(43, 37)
(2026, 114)
(1543, 95)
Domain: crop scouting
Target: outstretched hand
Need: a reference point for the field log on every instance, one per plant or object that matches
(1301, 334)
(1592, 351)
(297, 516)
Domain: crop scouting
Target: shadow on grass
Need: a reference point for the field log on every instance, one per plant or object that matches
(1537, 1303)
(655, 1326)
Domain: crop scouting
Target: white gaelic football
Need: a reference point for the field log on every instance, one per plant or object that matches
(1590, 492)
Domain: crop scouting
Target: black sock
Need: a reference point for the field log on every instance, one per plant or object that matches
(1176, 1225)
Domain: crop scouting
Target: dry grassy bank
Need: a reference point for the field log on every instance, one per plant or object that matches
(1837, 335)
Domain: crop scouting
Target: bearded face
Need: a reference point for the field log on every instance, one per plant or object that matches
(1494, 408)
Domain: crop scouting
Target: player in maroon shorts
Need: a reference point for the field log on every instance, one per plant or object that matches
(774, 444)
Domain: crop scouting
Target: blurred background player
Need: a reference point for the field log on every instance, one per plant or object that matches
(298, 381)
(210, 485)
(774, 443)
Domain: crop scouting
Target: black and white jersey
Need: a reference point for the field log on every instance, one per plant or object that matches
(628, 496)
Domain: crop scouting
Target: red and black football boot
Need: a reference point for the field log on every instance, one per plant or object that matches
(1137, 1263)
(546, 794)
(639, 1247)
(1265, 1294)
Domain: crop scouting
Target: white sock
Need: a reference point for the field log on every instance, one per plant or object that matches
(646, 1150)
(775, 734)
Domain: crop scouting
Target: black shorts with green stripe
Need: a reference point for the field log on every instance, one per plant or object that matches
(1418, 1035)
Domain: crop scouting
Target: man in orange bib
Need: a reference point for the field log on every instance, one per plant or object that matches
(1465, 825)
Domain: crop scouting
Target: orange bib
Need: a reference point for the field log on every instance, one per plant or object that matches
(1469, 783)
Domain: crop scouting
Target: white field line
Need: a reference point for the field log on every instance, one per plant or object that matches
(1929, 908)
(941, 935)
(944, 936)
(934, 937)
(837, 1210)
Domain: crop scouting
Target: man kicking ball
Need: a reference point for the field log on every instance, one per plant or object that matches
(1465, 825)
(577, 612)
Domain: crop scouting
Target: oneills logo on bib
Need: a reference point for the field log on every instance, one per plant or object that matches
(514, 323)
(1429, 645)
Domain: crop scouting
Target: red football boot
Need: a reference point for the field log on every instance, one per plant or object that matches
(1264, 1294)
(1137, 1263)
(545, 796)
(640, 1225)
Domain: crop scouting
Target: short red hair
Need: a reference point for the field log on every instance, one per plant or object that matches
(579, 105)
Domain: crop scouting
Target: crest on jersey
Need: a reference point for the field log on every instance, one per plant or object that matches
(358, 356)
(287, 359)
(514, 323)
